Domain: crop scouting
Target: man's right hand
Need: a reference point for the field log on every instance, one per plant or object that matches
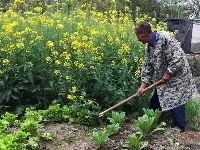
(141, 89)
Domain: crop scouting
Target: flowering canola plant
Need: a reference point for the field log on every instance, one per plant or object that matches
(57, 56)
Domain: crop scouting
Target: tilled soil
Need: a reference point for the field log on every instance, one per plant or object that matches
(78, 137)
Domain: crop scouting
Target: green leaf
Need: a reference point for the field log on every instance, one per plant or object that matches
(112, 129)
(117, 117)
(134, 141)
(144, 124)
(99, 137)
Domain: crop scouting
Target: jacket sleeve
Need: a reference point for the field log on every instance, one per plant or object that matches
(174, 55)
(147, 70)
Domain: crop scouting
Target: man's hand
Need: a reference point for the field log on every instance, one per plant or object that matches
(141, 89)
(166, 76)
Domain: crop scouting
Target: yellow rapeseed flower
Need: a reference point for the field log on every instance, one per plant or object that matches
(117, 40)
(113, 63)
(40, 38)
(50, 44)
(57, 72)
(127, 8)
(55, 53)
(12, 46)
(67, 77)
(137, 8)
(20, 45)
(73, 90)
(135, 59)
(120, 52)
(9, 27)
(78, 52)
(1, 72)
(61, 42)
(57, 62)
(32, 22)
(71, 97)
(60, 26)
(17, 1)
(76, 44)
(49, 6)
(85, 38)
(67, 64)
(94, 32)
(126, 48)
(81, 66)
(141, 61)
(154, 19)
(48, 59)
(110, 39)
(90, 102)
(137, 72)
(67, 57)
(79, 26)
(6, 61)
(175, 32)
(31, 42)
(124, 60)
(38, 9)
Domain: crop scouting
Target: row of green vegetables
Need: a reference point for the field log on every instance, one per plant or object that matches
(25, 133)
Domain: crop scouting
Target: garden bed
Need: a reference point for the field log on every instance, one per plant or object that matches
(77, 137)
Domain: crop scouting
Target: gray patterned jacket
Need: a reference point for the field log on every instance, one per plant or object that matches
(168, 55)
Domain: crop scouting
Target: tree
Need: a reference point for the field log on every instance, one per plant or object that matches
(194, 8)
(149, 7)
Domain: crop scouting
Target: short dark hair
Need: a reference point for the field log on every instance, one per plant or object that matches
(143, 26)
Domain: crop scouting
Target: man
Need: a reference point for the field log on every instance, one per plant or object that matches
(166, 60)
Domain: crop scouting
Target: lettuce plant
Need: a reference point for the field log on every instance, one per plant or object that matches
(112, 129)
(100, 137)
(144, 124)
(191, 109)
(135, 142)
(117, 117)
(153, 113)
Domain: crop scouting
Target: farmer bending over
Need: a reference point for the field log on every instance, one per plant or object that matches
(165, 59)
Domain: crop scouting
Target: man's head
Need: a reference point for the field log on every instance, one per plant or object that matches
(143, 32)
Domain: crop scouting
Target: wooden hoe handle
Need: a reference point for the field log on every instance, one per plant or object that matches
(129, 98)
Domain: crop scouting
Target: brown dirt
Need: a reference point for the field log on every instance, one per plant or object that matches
(78, 137)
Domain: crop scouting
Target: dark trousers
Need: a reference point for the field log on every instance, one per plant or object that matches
(178, 113)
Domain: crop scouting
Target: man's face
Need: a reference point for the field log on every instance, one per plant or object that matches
(142, 35)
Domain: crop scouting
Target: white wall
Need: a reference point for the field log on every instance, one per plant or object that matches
(195, 41)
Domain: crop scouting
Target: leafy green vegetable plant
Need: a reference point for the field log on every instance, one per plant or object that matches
(32, 114)
(151, 113)
(112, 129)
(32, 142)
(47, 136)
(20, 136)
(100, 137)
(53, 113)
(117, 117)
(191, 108)
(145, 125)
(11, 118)
(135, 142)
(7, 120)
(30, 126)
